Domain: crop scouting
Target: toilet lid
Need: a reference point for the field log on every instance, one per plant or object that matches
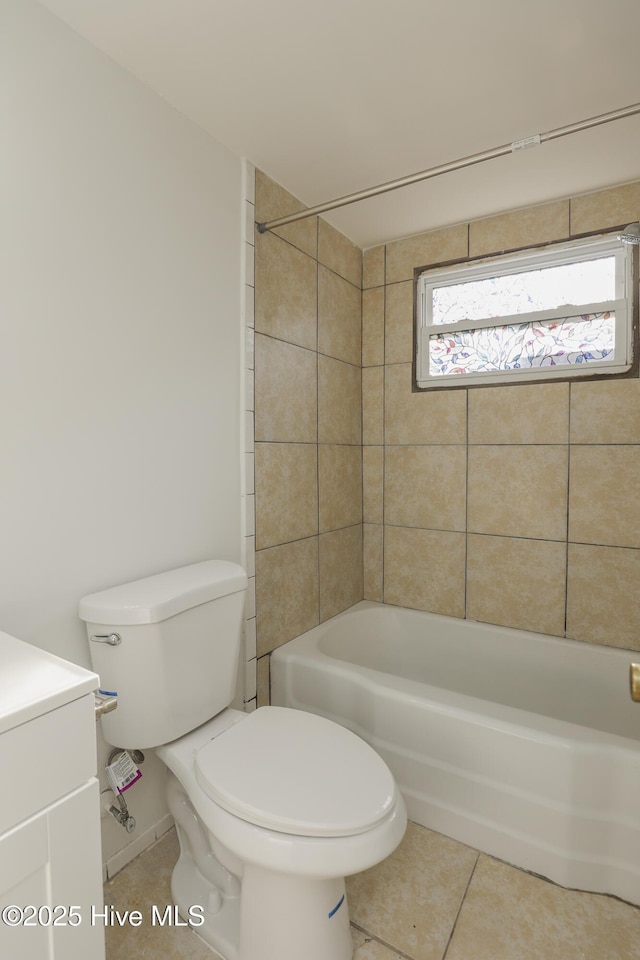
(296, 773)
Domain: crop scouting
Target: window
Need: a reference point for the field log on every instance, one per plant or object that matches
(562, 311)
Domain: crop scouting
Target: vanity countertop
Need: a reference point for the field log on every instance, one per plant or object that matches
(33, 682)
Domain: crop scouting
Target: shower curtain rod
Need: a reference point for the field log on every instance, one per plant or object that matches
(514, 147)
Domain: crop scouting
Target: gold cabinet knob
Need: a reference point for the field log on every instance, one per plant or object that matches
(634, 680)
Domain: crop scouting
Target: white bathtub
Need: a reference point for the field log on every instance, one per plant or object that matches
(521, 745)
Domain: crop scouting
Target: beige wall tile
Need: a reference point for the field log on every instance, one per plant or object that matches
(425, 487)
(339, 317)
(373, 267)
(373, 327)
(411, 900)
(603, 603)
(273, 201)
(424, 569)
(604, 495)
(263, 686)
(339, 402)
(340, 570)
(373, 534)
(340, 486)
(518, 491)
(286, 392)
(605, 412)
(339, 253)
(373, 405)
(286, 592)
(398, 322)
(521, 413)
(519, 228)
(286, 492)
(438, 246)
(427, 417)
(508, 914)
(286, 292)
(372, 483)
(516, 583)
(614, 207)
(515, 492)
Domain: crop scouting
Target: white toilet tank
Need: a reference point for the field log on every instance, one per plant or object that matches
(173, 662)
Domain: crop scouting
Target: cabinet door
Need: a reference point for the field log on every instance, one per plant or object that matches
(52, 861)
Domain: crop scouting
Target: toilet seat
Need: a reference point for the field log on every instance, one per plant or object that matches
(304, 856)
(296, 773)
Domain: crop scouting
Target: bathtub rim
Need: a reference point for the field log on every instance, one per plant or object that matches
(548, 728)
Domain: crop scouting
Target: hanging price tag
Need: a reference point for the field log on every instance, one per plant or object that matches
(122, 773)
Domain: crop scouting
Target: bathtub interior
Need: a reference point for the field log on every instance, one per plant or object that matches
(565, 679)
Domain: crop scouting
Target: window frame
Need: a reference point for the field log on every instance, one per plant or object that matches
(624, 304)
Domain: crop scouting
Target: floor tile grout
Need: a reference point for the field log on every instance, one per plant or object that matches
(389, 946)
(462, 900)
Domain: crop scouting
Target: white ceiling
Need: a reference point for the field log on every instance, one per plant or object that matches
(335, 96)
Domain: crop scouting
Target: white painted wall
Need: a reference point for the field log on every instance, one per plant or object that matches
(120, 340)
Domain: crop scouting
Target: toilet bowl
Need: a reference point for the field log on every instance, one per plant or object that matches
(291, 803)
(273, 808)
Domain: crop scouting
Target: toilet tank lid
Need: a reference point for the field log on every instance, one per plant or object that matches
(164, 595)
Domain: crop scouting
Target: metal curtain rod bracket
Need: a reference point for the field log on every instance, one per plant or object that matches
(502, 151)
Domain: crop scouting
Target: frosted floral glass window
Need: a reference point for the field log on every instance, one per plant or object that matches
(562, 312)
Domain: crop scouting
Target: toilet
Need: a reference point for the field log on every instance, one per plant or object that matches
(273, 808)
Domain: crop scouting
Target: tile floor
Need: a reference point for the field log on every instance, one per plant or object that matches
(433, 899)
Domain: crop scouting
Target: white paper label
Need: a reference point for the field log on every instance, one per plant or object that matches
(122, 773)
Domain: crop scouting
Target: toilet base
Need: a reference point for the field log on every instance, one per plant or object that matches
(221, 926)
(265, 915)
(277, 917)
(286, 917)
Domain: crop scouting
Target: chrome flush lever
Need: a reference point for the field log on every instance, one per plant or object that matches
(113, 639)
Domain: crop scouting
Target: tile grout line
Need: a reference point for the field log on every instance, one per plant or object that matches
(466, 508)
(384, 418)
(317, 444)
(371, 937)
(566, 556)
(462, 901)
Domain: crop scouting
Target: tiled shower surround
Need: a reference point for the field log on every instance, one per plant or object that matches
(516, 505)
(308, 423)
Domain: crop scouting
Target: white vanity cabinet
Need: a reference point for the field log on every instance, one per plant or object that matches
(50, 853)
